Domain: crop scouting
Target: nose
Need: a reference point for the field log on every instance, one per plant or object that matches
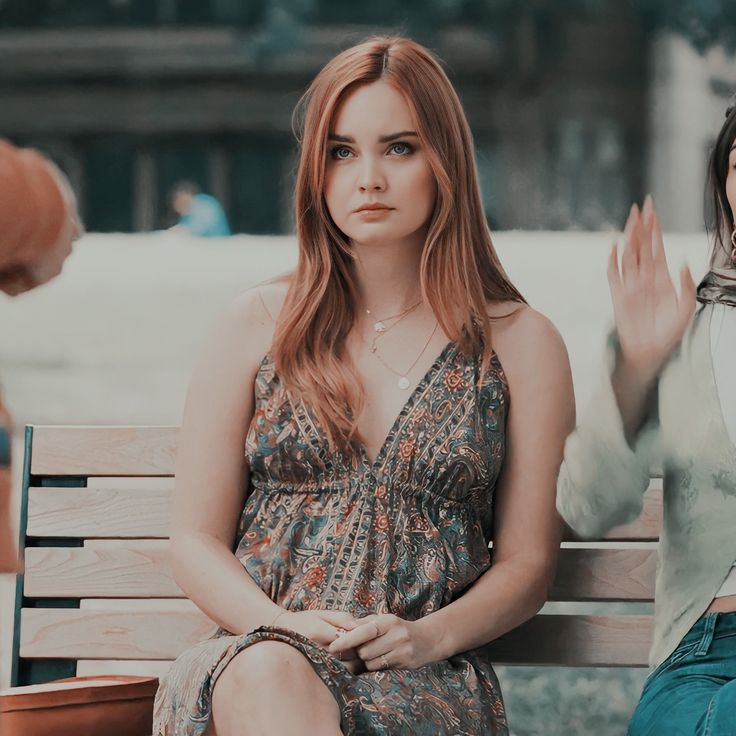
(371, 178)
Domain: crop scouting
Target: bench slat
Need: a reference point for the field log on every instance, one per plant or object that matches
(135, 570)
(605, 575)
(576, 641)
(90, 451)
(140, 512)
(90, 512)
(130, 572)
(100, 634)
(545, 639)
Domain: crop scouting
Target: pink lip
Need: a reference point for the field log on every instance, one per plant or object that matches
(374, 207)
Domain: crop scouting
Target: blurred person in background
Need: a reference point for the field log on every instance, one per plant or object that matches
(356, 432)
(668, 399)
(38, 223)
(199, 214)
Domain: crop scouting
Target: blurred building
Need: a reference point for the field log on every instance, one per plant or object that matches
(131, 95)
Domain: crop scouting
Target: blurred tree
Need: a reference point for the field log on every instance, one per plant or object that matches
(704, 22)
(281, 22)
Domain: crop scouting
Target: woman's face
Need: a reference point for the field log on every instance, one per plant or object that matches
(379, 187)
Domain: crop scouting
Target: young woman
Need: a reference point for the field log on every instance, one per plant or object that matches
(670, 401)
(399, 405)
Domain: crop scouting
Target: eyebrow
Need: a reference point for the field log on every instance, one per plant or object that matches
(382, 139)
(732, 147)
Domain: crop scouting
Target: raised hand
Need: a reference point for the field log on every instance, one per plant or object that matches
(650, 316)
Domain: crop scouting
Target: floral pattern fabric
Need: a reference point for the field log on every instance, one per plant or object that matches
(405, 534)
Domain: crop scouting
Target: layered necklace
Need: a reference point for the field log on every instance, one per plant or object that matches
(380, 328)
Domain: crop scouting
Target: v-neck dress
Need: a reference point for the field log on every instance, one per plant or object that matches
(406, 534)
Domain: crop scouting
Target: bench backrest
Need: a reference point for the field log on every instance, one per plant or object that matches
(98, 594)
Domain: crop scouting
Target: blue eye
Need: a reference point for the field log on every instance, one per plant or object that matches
(401, 149)
(340, 153)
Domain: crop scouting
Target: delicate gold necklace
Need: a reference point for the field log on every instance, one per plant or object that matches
(384, 330)
(379, 325)
(403, 383)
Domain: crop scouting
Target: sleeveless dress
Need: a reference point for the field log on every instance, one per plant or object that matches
(405, 534)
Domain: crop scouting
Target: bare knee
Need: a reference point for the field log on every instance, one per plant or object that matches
(265, 664)
(255, 683)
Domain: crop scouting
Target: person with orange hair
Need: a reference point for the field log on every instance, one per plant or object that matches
(356, 433)
(38, 223)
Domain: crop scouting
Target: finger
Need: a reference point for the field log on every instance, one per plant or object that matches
(647, 210)
(323, 633)
(688, 292)
(630, 220)
(629, 258)
(648, 232)
(341, 619)
(381, 662)
(614, 277)
(375, 648)
(659, 258)
(356, 638)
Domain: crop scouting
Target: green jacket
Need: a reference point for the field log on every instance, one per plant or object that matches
(602, 481)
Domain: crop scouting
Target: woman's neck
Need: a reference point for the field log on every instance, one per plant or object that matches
(388, 278)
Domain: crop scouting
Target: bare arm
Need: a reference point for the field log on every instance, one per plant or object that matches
(212, 475)
(212, 482)
(528, 530)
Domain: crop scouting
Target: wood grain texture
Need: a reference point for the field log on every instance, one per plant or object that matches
(135, 569)
(87, 512)
(88, 451)
(605, 575)
(576, 641)
(131, 572)
(99, 634)
(547, 639)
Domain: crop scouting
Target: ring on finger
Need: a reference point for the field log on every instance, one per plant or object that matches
(378, 631)
(384, 662)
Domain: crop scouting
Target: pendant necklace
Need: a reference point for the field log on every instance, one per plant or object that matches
(403, 383)
(380, 329)
(380, 324)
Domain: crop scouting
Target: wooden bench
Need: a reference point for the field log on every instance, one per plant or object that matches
(98, 594)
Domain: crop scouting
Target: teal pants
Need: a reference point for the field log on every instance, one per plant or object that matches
(693, 692)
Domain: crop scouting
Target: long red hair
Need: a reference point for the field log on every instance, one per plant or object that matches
(460, 270)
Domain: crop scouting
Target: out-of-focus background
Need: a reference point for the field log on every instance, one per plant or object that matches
(578, 107)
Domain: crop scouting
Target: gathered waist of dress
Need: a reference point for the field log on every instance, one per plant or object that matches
(337, 484)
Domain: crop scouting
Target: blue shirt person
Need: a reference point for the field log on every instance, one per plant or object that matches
(199, 214)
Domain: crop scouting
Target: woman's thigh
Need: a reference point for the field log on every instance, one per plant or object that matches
(672, 704)
(690, 684)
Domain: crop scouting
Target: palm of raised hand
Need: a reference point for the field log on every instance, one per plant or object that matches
(651, 317)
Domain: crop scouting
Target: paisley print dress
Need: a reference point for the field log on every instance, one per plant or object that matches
(405, 534)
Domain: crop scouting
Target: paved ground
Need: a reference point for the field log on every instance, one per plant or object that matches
(112, 340)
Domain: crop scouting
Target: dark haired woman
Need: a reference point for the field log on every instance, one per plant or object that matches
(670, 398)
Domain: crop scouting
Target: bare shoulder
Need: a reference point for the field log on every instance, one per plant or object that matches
(244, 331)
(272, 294)
(525, 339)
